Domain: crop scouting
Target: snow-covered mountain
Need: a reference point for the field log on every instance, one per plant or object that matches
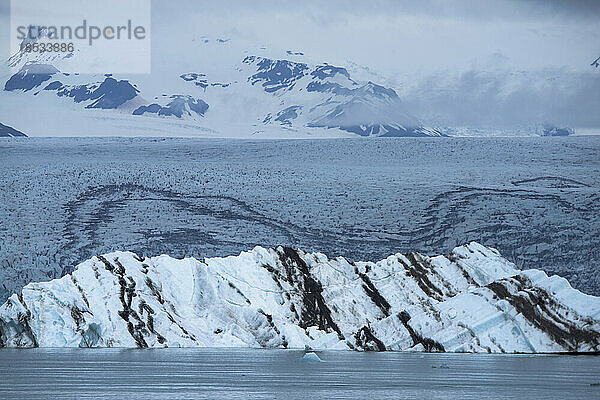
(471, 300)
(226, 93)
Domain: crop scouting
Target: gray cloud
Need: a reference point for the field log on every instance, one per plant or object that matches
(577, 8)
(335, 9)
(508, 99)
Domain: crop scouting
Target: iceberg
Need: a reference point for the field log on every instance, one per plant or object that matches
(310, 357)
(470, 300)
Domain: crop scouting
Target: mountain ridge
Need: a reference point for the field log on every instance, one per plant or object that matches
(249, 95)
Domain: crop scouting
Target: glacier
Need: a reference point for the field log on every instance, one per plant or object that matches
(470, 300)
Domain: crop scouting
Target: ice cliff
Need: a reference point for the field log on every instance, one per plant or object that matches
(471, 300)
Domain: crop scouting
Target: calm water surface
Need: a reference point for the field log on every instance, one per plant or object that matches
(268, 374)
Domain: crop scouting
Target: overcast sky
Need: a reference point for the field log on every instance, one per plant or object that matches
(410, 36)
(493, 56)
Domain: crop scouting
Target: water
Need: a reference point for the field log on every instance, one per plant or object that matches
(64, 200)
(267, 374)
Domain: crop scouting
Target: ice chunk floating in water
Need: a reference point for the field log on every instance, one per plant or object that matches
(310, 357)
(471, 300)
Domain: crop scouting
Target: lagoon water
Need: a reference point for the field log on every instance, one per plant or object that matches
(278, 374)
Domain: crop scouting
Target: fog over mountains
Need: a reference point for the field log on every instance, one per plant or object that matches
(332, 70)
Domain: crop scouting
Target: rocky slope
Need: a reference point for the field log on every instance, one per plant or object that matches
(471, 300)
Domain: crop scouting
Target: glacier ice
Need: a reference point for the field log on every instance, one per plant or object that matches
(470, 300)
